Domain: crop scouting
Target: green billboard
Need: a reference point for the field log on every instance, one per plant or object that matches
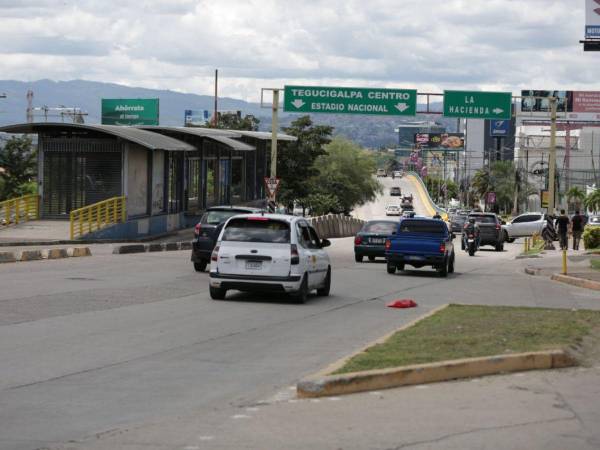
(130, 111)
(348, 100)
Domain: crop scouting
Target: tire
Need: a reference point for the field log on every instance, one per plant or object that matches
(301, 296)
(200, 266)
(358, 258)
(462, 244)
(324, 291)
(451, 264)
(371, 258)
(391, 269)
(472, 250)
(443, 270)
(499, 247)
(217, 293)
(510, 240)
(400, 267)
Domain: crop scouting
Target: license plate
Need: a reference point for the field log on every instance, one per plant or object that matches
(415, 258)
(377, 241)
(253, 265)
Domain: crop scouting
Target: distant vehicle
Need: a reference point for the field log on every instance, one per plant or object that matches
(381, 173)
(594, 221)
(269, 253)
(392, 210)
(397, 173)
(490, 230)
(524, 225)
(207, 230)
(395, 190)
(370, 240)
(407, 203)
(420, 242)
(457, 221)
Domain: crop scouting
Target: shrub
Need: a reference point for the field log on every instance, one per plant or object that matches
(591, 237)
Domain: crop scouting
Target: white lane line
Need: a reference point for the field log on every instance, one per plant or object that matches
(334, 399)
(375, 393)
(422, 386)
(191, 447)
(205, 438)
(252, 409)
(240, 416)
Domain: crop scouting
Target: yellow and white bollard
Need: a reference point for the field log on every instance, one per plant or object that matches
(564, 262)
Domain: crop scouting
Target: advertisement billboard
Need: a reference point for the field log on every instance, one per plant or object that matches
(440, 141)
(133, 111)
(592, 19)
(196, 117)
(571, 105)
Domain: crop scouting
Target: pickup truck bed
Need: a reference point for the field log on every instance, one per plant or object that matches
(420, 242)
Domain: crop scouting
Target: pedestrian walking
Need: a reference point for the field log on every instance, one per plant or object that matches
(562, 223)
(577, 224)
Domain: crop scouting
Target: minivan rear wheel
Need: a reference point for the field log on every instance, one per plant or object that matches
(217, 293)
(302, 295)
(324, 290)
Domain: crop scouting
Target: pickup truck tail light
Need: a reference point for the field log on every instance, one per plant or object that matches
(197, 229)
(388, 244)
(294, 255)
(498, 227)
(443, 247)
(215, 254)
(357, 240)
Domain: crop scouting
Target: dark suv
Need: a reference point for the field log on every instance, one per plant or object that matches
(207, 231)
(490, 229)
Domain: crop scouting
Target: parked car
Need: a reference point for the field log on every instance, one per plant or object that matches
(490, 230)
(370, 240)
(594, 221)
(381, 173)
(524, 225)
(395, 191)
(269, 253)
(208, 229)
(392, 210)
(457, 221)
(420, 242)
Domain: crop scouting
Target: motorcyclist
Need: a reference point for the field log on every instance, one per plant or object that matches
(470, 227)
(437, 216)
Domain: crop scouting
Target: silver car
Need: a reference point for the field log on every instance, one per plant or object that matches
(524, 225)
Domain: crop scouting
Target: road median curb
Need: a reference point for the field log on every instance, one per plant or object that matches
(151, 248)
(323, 386)
(55, 253)
(576, 281)
(77, 252)
(7, 257)
(532, 271)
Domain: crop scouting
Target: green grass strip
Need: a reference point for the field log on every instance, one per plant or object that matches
(595, 263)
(474, 331)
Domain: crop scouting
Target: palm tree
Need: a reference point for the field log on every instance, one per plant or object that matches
(576, 195)
(592, 201)
(480, 184)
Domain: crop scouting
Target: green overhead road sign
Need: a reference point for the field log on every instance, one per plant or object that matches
(132, 111)
(348, 100)
(477, 105)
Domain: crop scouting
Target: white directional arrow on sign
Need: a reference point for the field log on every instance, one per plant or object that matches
(298, 103)
(497, 111)
(402, 107)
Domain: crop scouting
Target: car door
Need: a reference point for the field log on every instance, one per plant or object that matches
(535, 224)
(307, 251)
(322, 261)
(518, 226)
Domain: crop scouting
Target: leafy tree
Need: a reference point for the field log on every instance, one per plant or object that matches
(295, 160)
(576, 195)
(436, 185)
(505, 180)
(233, 121)
(592, 201)
(19, 164)
(345, 172)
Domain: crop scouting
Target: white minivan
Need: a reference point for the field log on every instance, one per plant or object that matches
(270, 253)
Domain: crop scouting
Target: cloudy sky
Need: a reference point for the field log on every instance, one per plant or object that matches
(429, 45)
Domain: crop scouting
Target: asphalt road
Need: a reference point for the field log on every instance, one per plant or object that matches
(128, 351)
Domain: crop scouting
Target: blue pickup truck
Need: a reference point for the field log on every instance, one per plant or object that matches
(419, 242)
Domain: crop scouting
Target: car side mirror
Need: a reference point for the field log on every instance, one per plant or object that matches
(325, 243)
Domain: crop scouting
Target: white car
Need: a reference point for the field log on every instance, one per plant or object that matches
(393, 210)
(270, 253)
(397, 174)
(524, 225)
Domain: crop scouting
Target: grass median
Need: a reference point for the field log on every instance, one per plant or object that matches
(595, 262)
(461, 331)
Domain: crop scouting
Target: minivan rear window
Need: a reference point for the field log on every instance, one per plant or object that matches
(257, 230)
(423, 226)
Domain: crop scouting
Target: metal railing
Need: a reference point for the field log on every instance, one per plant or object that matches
(20, 209)
(97, 216)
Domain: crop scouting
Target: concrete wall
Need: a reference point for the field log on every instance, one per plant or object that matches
(137, 180)
(336, 226)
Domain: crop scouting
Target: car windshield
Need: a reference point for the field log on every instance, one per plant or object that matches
(423, 226)
(380, 227)
(483, 219)
(217, 216)
(257, 229)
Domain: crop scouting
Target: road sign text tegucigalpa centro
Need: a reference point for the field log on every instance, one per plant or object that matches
(348, 100)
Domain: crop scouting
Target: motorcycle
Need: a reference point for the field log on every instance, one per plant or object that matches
(469, 243)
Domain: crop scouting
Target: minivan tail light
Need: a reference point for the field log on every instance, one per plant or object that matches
(197, 229)
(357, 240)
(215, 254)
(295, 256)
(443, 247)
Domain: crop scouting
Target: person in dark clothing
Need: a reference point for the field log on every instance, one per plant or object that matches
(577, 224)
(562, 223)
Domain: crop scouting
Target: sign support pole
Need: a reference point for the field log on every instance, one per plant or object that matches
(274, 126)
(552, 161)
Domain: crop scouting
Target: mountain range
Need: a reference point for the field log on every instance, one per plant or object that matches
(368, 131)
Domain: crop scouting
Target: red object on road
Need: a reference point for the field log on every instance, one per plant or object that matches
(404, 303)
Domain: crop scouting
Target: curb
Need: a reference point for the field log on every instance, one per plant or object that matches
(430, 373)
(151, 248)
(38, 255)
(532, 271)
(576, 281)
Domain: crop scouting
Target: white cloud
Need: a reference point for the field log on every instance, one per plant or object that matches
(177, 44)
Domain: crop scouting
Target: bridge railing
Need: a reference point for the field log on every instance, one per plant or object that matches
(97, 216)
(19, 209)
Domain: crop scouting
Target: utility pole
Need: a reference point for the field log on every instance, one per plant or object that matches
(552, 160)
(274, 126)
(215, 118)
